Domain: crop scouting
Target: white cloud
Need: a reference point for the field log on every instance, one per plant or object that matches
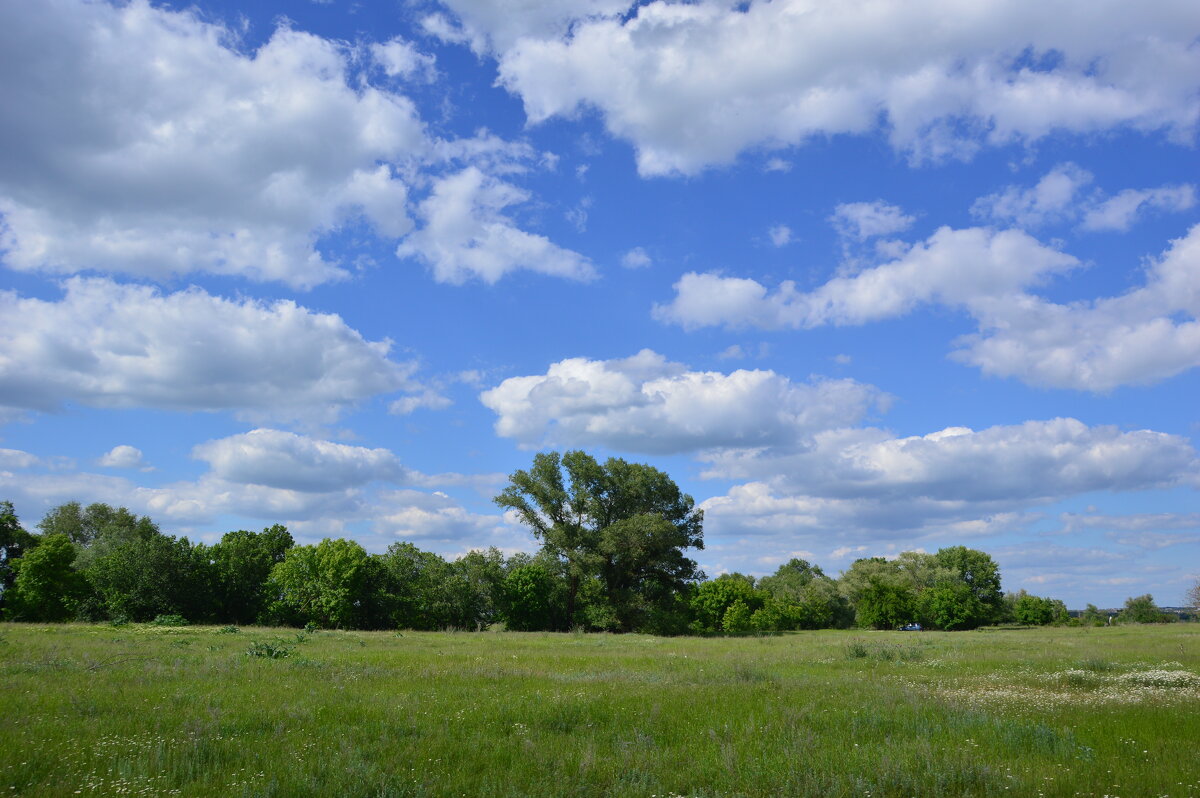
(732, 352)
(647, 404)
(401, 59)
(109, 345)
(139, 140)
(636, 258)
(419, 516)
(952, 267)
(429, 399)
(691, 85)
(1034, 461)
(781, 235)
(499, 24)
(1055, 197)
(466, 235)
(1120, 212)
(861, 491)
(1145, 335)
(15, 458)
(123, 456)
(863, 220)
(277, 459)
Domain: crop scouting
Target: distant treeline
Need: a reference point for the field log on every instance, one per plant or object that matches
(103, 563)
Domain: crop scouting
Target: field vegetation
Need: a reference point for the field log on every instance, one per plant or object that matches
(156, 709)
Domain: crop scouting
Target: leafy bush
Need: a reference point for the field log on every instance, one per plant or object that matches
(229, 630)
(169, 620)
(265, 650)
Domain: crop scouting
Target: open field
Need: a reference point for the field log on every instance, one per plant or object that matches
(144, 710)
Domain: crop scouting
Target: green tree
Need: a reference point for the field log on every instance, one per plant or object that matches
(624, 526)
(1032, 610)
(328, 584)
(885, 604)
(139, 577)
(241, 564)
(530, 598)
(87, 525)
(14, 542)
(981, 575)
(1141, 609)
(47, 587)
(412, 588)
(950, 605)
(711, 602)
(801, 596)
(1092, 616)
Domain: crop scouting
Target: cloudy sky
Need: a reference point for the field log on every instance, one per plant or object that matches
(863, 276)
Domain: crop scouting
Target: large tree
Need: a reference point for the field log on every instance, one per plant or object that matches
(241, 563)
(624, 525)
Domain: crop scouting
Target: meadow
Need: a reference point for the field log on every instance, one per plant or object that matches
(208, 711)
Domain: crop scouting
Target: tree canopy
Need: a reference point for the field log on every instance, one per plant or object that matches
(624, 525)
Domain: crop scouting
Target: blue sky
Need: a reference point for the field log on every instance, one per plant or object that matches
(862, 277)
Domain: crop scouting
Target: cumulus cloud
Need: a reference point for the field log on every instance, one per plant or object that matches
(401, 59)
(863, 220)
(1055, 197)
(1145, 335)
(1034, 461)
(1058, 197)
(109, 345)
(648, 404)
(123, 456)
(695, 84)
(862, 490)
(466, 234)
(498, 24)
(952, 267)
(278, 459)
(141, 140)
(1120, 212)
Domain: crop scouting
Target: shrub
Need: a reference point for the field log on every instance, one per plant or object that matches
(269, 650)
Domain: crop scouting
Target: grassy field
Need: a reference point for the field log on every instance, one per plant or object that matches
(143, 710)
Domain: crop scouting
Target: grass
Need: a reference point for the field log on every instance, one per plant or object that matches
(156, 710)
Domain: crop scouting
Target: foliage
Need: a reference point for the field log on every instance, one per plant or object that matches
(530, 599)
(46, 587)
(265, 650)
(979, 572)
(139, 574)
(14, 542)
(326, 584)
(169, 620)
(711, 603)
(624, 525)
(884, 604)
(1142, 609)
(85, 526)
(241, 563)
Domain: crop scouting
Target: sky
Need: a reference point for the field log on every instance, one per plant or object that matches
(862, 277)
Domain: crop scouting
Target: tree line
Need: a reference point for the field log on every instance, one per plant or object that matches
(614, 558)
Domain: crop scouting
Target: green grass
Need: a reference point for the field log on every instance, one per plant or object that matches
(151, 710)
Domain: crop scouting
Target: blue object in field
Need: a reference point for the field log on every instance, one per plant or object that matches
(912, 627)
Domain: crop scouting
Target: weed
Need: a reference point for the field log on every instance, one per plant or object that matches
(228, 630)
(169, 620)
(266, 650)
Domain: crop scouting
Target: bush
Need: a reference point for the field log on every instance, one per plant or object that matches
(169, 620)
(269, 650)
